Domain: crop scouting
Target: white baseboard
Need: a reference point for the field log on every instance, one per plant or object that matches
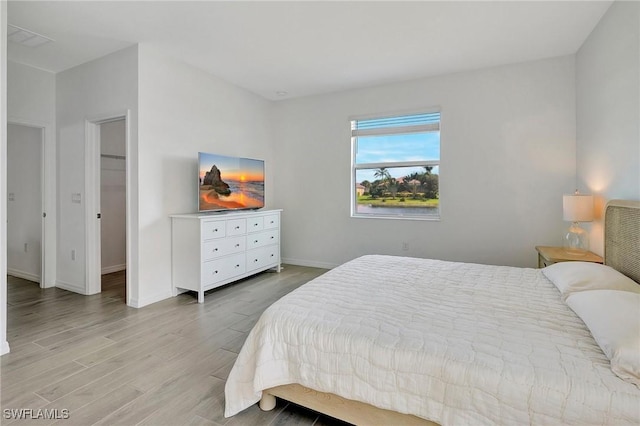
(4, 348)
(24, 275)
(139, 303)
(310, 263)
(177, 291)
(114, 268)
(71, 287)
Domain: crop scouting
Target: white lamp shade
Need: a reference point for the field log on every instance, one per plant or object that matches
(577, 208)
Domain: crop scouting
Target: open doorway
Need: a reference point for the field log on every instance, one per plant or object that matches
(107, 178)
(25, 205)
(113, 217)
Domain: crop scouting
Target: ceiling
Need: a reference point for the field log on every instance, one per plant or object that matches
(309, 47)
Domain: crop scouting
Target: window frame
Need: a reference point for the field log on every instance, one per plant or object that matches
(422, 128)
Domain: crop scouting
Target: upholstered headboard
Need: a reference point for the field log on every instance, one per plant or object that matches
(622, 237)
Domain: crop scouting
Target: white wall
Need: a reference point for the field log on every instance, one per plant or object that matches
(4, 345)
(31, 100)
(31, 94)
(184, 110)
(507, 156)
(24, 201)
(608, 111)
(113, 196)
(108, 85)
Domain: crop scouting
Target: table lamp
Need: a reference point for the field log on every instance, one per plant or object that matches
(577, 208)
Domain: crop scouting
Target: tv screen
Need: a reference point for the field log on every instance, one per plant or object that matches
(229, 183)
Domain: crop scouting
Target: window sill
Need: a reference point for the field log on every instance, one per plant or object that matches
(396, 217)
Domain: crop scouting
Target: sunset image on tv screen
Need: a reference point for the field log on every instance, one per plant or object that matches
(230, 182)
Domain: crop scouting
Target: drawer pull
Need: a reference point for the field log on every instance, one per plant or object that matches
(237, 266)
(215, 272)
(237, 227)
(215, 249)
(271, 254)
(271, 222)
(272, 237)
(255, 224)
(215, 230)
(238, 245)
(255, 260)
(255, 241)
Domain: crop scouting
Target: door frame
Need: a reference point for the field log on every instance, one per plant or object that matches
(48, 197)
(93, 267)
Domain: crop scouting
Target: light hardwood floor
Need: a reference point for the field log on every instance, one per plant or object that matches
(164, 364)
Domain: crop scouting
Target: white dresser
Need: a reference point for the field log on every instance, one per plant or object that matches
(210, 250)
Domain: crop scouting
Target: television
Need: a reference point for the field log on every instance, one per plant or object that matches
(229, 183)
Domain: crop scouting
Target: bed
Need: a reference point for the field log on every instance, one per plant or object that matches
(395, 340)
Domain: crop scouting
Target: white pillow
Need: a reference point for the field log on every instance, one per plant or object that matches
(571, 277)
(613, 317)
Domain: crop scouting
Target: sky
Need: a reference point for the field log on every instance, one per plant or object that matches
(404, 147)
(232, 168)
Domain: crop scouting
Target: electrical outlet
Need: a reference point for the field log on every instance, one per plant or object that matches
(405, 246)
(73, 255)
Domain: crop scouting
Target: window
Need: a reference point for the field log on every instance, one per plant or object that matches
(395, 166)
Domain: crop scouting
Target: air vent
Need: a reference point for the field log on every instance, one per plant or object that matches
(25, 37)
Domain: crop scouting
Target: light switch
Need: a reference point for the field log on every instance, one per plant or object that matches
(12, 196)
(76, 197)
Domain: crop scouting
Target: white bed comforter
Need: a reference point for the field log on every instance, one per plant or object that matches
(454, 343)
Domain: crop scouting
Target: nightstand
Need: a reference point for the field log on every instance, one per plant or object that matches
(550, 255)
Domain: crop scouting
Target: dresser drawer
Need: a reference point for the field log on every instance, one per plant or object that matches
(223, 246)
(263, 256)
(236, 227)
(222, 269)
(272, 221)
(262, 239)
(213, 229)
(255, 224)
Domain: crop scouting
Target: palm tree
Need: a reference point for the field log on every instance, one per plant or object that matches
(414, 183)
(387, 180)
(383, 174)
(392, 185)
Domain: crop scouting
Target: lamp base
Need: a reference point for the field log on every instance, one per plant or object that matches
(576, 241)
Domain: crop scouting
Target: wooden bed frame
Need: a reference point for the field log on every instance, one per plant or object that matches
(621, 252)
(348, 410)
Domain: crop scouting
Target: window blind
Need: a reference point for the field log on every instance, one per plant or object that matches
(414, 123)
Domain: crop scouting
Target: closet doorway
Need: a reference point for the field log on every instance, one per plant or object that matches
(107, 192)
(113, 204)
